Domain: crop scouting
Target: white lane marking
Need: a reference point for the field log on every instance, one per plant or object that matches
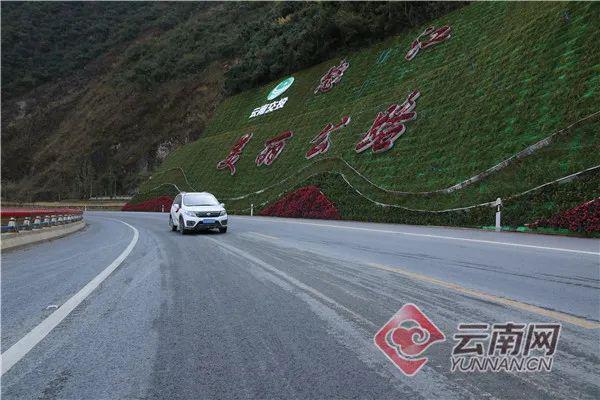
(352, 336)
(263, 236)
(20, 349)
(290, 279)
(564, 317)
(437, 236)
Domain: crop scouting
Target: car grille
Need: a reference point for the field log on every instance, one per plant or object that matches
(207, 213)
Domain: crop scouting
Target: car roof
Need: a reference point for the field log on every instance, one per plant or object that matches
(186, 193)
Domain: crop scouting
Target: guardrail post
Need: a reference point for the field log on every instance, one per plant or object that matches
(12, 224)
(27, 224)
(37, 222)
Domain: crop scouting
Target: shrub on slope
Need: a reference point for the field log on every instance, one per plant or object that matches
(306, 202)
(157, 204)
(583, 218)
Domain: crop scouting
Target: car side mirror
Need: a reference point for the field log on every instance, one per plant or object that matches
(222, 205)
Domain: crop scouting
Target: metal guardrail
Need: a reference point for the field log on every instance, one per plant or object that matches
(110, 198)
(22, 219)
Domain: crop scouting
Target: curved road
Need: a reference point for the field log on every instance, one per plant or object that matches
(280, 308)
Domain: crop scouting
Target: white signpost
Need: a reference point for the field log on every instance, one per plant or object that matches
(498, 214)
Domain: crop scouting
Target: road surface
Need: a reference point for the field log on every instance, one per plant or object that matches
(281, 308)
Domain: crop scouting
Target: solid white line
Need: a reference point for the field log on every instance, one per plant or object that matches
(20, 349)
(434, 236)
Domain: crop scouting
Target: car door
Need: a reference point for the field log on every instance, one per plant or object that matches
(175, 209)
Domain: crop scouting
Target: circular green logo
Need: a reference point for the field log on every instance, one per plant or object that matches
(280, 88)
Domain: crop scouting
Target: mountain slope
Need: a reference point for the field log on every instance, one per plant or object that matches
(95, 93)
(510, 76)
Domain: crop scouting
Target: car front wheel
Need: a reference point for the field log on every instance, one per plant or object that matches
(182, 229)
(171, 224)
(222, 230)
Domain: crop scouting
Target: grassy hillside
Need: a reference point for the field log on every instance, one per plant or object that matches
(512, 74)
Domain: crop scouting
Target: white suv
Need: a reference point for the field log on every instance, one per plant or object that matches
(197, 211)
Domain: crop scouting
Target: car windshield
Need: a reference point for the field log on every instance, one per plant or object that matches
(200, 200)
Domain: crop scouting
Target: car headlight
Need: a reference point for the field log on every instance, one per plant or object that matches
(223, 213)
(190, 213)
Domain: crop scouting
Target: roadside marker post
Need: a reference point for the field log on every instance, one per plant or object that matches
(12, 224)
(498, 214)
(251, 210)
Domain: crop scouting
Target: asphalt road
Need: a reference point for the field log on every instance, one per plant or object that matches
(279, 308)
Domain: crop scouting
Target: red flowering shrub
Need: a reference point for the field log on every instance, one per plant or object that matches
(306, 202)
(583, 218)
(156, 204)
